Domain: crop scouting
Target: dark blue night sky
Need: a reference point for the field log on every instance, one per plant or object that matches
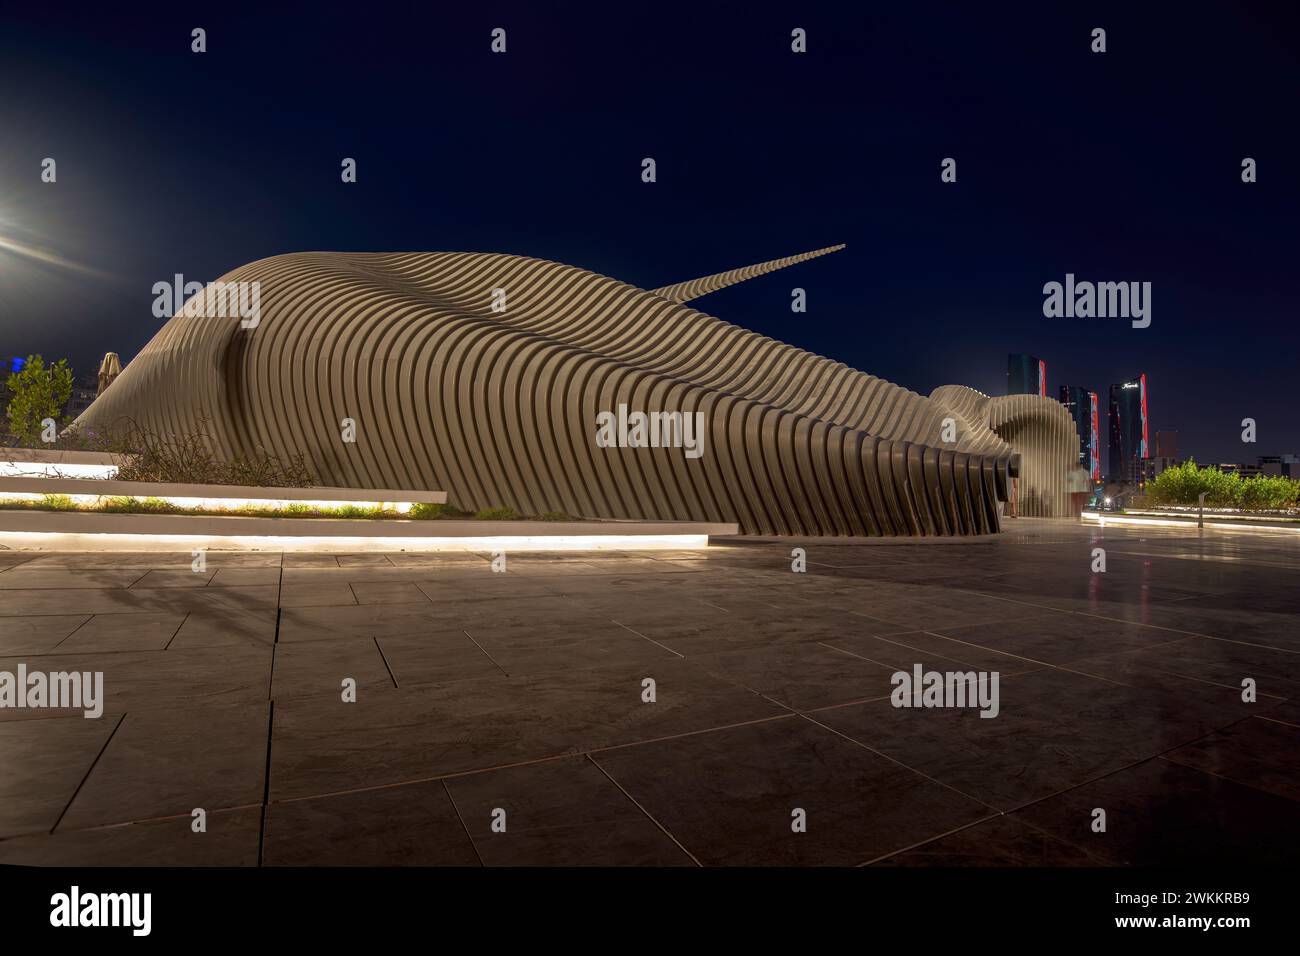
(1120, 166)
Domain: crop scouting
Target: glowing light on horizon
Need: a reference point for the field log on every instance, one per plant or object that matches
(48, 256)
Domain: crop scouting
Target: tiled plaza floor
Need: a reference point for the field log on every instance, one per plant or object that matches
(483, 696)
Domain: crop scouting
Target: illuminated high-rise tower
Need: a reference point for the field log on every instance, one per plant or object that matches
(1026, 375)
(1083, 406)
(1129, 430)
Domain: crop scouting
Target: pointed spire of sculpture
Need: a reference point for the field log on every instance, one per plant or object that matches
(685, 291)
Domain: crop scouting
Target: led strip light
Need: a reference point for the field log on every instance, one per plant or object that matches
(115, 541)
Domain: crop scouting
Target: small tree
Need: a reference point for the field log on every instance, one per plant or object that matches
(36, 393)
(1183, 486)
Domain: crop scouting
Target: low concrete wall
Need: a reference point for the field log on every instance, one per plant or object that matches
(74, 464)
(57, 456)
(1212, 521)
(1226, 514)
(88, 531)
(238, 493)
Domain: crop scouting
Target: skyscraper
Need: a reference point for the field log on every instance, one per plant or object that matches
(1166, 444)
(1083, 407)
(1129, 430)
(1026, 375)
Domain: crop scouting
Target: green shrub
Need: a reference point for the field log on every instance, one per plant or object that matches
(126, 504)
(136, 506)
(1184, 484)
(119, 503)
(498, 514)
(1269, 492)
(424, 511)
(354, 511)
(36, 393)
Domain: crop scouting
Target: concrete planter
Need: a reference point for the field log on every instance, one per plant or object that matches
(216, 497)
(89, 531)
(38, 462)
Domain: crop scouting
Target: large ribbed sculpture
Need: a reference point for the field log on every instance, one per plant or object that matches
(485, 375)
(1040, 432)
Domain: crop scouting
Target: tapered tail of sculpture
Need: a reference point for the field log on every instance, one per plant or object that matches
(686, 291)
